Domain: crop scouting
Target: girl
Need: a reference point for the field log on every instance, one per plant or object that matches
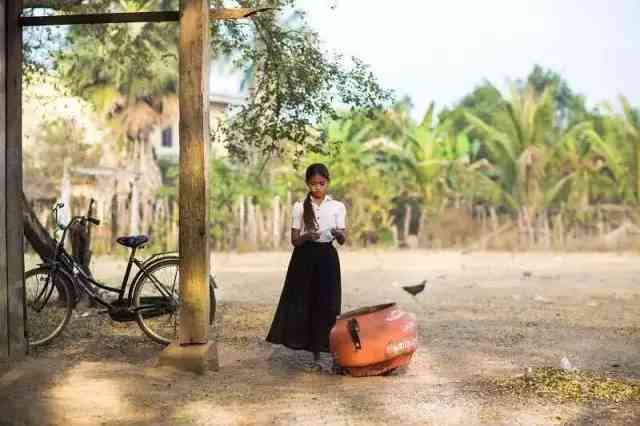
(311, 297)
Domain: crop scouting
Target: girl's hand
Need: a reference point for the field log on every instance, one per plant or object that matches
(298, 239)
(339, 235)
(312, 236)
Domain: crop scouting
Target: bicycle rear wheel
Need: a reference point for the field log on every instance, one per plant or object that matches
(49, 305)
(156, 300)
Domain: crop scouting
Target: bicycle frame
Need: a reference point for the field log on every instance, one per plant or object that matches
(67, 263)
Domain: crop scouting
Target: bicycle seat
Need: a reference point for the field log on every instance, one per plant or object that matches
(133, 241)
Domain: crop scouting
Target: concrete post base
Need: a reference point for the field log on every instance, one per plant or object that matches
(194, 358)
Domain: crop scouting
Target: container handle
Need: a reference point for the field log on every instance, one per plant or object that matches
(354, 328)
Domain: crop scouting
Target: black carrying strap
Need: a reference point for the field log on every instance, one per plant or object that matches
(354, 328)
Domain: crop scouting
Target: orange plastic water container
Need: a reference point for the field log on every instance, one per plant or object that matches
(374, 340)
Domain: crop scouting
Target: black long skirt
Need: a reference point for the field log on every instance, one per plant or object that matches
(310, 300)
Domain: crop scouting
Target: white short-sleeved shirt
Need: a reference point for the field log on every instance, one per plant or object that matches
(329, 214)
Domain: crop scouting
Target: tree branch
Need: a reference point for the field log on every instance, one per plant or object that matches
(36, 233)
(235, 13)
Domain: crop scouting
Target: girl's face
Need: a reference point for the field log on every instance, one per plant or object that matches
(318, 186)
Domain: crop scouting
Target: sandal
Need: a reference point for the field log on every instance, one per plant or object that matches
(315, 368)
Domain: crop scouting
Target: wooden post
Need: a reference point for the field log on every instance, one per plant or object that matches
(12, 308)
(194, 137)
(192, 351)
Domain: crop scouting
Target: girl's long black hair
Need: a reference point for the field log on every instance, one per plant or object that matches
(309, 218)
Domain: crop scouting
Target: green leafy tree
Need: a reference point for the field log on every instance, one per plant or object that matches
(519, 145)
(358, 179)
(129, 71)
(618, 144)
(60, 140)
(570, 107)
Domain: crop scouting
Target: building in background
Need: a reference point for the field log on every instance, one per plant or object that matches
(165, 138)
(125, 180)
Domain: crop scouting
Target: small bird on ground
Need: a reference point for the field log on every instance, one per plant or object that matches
(415, 289)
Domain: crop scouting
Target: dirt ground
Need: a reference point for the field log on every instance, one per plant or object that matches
(483, 316)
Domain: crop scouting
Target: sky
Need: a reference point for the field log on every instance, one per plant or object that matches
(440, 50)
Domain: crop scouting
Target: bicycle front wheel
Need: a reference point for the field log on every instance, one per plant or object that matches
(156, 301)
(48, 300)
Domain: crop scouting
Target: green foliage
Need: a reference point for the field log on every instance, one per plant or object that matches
(296, 85)
(537, 147)
(60, 140)
(569, 107)
(519, 161)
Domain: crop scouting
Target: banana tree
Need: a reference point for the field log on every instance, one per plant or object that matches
(520, 146)
(358, 179)
(421, 153)
(632, 138)
(618, 144)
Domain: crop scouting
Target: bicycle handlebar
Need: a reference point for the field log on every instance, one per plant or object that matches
(82, 219)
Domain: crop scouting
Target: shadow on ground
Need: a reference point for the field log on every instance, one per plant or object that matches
(100, 373)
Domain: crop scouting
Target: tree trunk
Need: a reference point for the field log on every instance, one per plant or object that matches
(275, 223)
(407, 223)
(45, 246)
(394, 232)
(421, 227)
(547, 229)
(259, 224)
(494, 219)
(241, 219)
(252, 225)
(36, 234)
(121, 224)
(134, 208)
(286, 221)
(65, 186)
(600, 222)
(561, 231)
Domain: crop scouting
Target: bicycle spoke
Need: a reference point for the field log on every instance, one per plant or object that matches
(48, 305)
(151, 294)
(175, 280)
(159, 286)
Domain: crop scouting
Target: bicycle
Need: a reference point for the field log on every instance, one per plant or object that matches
(51, 290)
